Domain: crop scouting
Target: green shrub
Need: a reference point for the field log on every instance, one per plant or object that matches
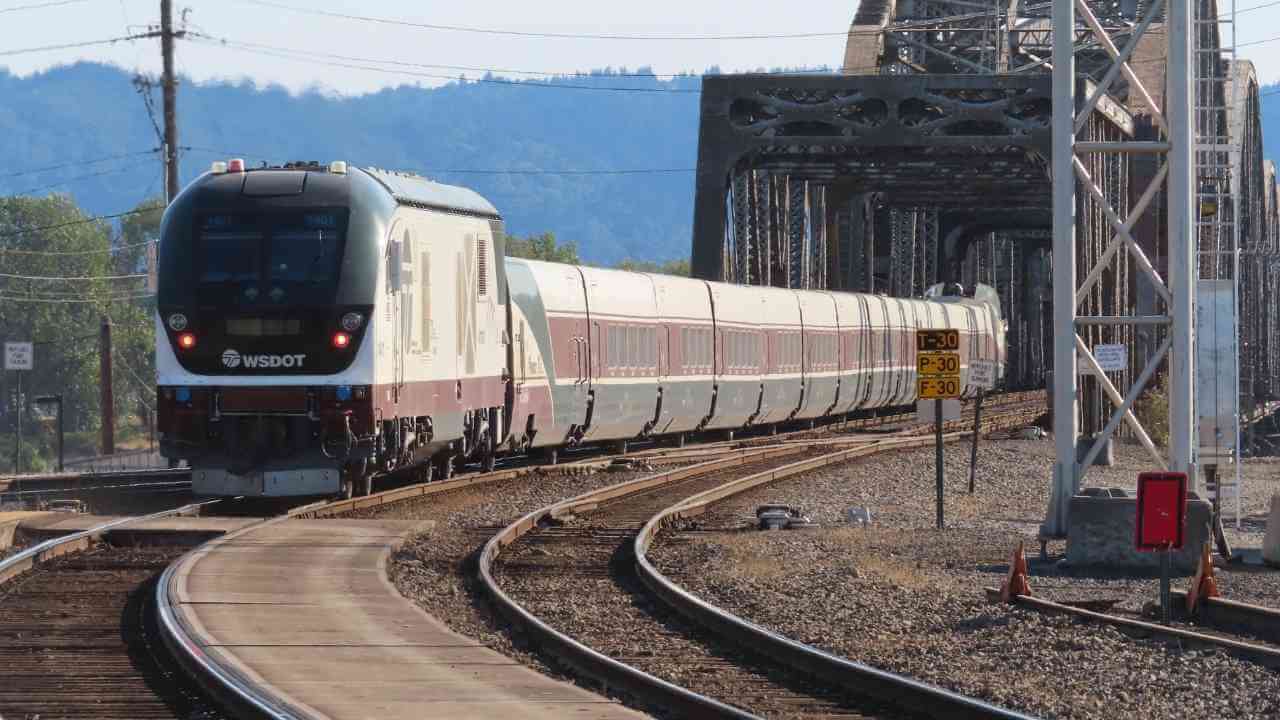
(1152, 410)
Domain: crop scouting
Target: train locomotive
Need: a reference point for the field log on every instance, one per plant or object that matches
(320, 326)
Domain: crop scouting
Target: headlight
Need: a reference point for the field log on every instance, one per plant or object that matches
(177, 322)
(352, 321)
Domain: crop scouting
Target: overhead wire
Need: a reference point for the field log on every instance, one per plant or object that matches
(74, 45)
(75, 301)
(470, 68)
(40, 6)
(531, 34)
(71, 278)
(72, 223)
(211, 41)
(78, 163)
(73, 180)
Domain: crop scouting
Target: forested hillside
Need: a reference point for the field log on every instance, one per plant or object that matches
(474, 134)
(461, 133)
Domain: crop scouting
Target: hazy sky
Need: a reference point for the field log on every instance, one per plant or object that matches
(254, 21)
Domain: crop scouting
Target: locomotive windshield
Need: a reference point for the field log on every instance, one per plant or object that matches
(268, 261)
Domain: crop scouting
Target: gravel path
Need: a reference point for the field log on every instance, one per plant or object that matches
(904, 596)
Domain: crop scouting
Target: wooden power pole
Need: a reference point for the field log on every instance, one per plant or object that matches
(108, 398)
(169, 85)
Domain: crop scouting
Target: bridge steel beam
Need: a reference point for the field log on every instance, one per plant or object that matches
(1178, 294)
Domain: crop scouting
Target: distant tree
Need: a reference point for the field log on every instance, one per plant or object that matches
(670, 267)
(542, 247)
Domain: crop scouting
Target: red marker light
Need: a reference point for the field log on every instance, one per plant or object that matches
(235, 166)
(186, 340)
(341, 340)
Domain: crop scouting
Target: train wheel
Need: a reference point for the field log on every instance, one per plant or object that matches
(427, 472)
(620, 447)
(366, 485)
(680, 440)
(446, 466)
(550, 456)
(348, 489)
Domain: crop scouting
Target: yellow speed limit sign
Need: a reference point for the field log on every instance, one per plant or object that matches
(938, 388)
(938, 363)
(937, 340)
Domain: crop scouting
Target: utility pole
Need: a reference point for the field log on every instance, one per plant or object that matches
(107, 399)
(169, 85)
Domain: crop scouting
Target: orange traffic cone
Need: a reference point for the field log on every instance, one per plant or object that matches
(1016, 584)
(1203, 585)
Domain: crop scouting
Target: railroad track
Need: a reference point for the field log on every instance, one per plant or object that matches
(57, 485)
(77, 638)
(573, 578)
(1230, 627)
(97, 638)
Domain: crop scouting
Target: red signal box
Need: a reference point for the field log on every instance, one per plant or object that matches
(1162, 511)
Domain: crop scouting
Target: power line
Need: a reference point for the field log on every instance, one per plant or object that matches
(471, 68)
(1250, 9)
(1257, 42)
(285, 55)
(71, 46)
(66, 253)
(494, 171)
(526, 34)
(79, 163)
(39, 6)
(634, 171)
(75, 301)
(8, 276)
(77, 178)
(72, 223)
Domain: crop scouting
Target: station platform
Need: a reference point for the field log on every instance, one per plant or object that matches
(45, 525)
(304, 609)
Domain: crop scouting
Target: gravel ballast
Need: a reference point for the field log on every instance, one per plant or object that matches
(437, 568)
(906, 597)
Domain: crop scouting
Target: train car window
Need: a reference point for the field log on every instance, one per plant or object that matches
(230, 251)
(393, 266)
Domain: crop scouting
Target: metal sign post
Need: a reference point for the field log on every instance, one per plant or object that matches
(982, 373)
(938, 379)
(1161, 521)
(18, 356)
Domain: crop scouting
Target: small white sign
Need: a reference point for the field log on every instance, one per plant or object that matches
(982, 373)
(18, 356)
(1111, 358)
(926, 411)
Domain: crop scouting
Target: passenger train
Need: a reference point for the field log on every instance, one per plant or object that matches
(319, 326)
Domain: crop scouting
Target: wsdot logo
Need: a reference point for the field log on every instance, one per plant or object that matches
(233, 359)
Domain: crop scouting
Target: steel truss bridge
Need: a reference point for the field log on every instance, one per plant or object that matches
(928, 160)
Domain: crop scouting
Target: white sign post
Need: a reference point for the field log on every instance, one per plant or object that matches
(18, 356)
(982, 374)
(1111, 358)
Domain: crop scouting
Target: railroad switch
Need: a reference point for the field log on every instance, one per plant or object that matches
(781, 517)
(1016, 584)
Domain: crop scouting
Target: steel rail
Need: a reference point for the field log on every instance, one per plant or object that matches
(238, 694)
(894, 689)
(1267, 656)
(578, 656)
(27, 559)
